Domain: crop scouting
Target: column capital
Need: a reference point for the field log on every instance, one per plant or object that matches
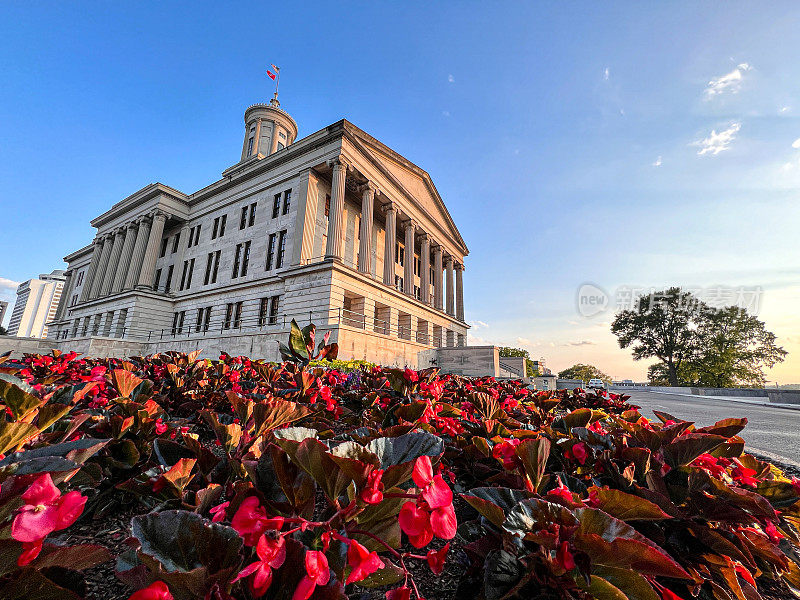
(436, 246)
(388, 207)
(448, 261)
(141, 219)
(458, 266)
(132, 224)
(410, 224)
(159, 214)
(368, 187)
(424, 236)
(340, 162)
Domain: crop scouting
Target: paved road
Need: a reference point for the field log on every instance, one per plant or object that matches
(771, 432)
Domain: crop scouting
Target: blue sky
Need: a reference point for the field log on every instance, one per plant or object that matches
(624, 144)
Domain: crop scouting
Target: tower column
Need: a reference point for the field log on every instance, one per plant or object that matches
(113, 262)
(151, 253)
(97, 251)
(437, 277)
(425, 268)
(135, 266)
(408, 267)
(450, 294)
(100, 274)
(333, 248)
(365, 231)
(389, 243)
(124, 258)
(460, 292)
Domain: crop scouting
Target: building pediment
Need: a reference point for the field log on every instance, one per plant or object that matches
(409, 178)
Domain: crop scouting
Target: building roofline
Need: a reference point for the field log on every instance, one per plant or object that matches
(139, 197)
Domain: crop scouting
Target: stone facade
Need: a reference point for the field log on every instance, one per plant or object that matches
(335, 229)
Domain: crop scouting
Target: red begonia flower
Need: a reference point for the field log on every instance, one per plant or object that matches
(219, 512)
(506, 452)
(579, 452)
(30, 550)
(161, 427)
(564, 557)
(423, 472)
(272, 553)
(373, 492)
(157, 590)
(411, 376)
(317, 573)
(437, 558)
(251, 521)
(444, 523)
(45, 510)
(363, 562)
(743, 475)
(401, 593)
(437, 494)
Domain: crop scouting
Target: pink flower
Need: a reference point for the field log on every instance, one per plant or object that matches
(219, 512)
(363, 562)
(251, 521)
(271, 554)
(157, 590)
(578, 452)
(161, 427)
(45, 511)
(317, 573)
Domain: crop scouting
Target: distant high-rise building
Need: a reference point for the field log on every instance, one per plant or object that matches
(3, 309)
(37, 301)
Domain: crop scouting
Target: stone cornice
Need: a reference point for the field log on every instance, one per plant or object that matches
(137, 199)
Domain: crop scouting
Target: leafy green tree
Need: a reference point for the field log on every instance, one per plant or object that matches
(583, 372)
(697, 344)
(530, 369)
(733, 349)
(661, 325)
(3, 330)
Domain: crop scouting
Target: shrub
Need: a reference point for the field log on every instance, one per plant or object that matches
(250, 479)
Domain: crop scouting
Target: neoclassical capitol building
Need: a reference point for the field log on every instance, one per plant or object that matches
(335, 228)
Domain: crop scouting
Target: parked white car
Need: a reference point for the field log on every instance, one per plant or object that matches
(596, 384)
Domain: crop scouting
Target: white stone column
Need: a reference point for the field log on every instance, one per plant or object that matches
(334, 246)
(437, 278)
(408, 267)
(97, 283)
(425, 268)
(97, 251)
(113, 262)
(451, 304)
(151, 253)
(124, 258)
(365, 231)
(139, 246)
(460, 292)
(306, 198)
(390, 238)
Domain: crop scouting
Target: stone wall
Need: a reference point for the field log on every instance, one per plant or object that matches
(471, 361)
(22, 345)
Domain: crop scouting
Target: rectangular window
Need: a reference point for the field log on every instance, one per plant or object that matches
(281, 249)
(398, 282)
(194, 236)
(222, 221)
(400, 255)
(189, 275)
(245, 259)
(327, 205)
(236, 261)
(163, 250)
(273, 310)
(216, 266)
(177, 322)
(209, 263)
(263, 311)
(250, 146)
(183, 274)
(243, 218)
(228, 316)
(287, 201)
(175, 241)
(207, 318)
(252, 218)
(417, 292)
(416, 266)
(237, 315)
(270, 250)
(168, 282)
(123, 317)
(74, 300)
(215, 230)
(199, 323)
(80, 278)
(276, 206)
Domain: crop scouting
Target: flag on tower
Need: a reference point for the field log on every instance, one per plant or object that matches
(276, 68)
(271, 75)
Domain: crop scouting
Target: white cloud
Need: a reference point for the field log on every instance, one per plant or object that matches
(478, 324)
(730, 82)
(606, 74)
(796, 143)
(717, 142)
(451, 79)
(8, 284)
(657, 163)
(474, 340)
(581, 343)
(521, 341)
(785, 109)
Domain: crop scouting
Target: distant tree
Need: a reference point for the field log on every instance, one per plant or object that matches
(662, 326)
(695, 343)
(3, 330)
(733, 348)
(530, 369)
(583, 372)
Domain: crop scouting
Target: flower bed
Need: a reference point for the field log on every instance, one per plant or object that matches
(245, 479)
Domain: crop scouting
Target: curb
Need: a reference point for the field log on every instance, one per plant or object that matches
(733, 399)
